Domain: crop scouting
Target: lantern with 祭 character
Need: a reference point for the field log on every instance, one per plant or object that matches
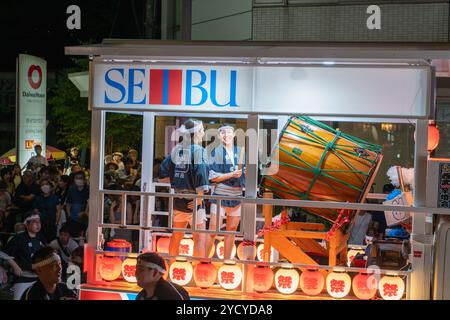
(220, 250)
(391, 287)
(260, 250)
(110, 268)
(240, 252)
(338, 283)
(186, 247)
(286, 279)
(312, 282)
(129, 269)
(180, 272)
(229, 275)
(364, 286)
(262, 278)
(205, 275)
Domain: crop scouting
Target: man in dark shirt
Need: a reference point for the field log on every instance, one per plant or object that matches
(150, 269)
(26, 193)
(22, 247)
(47, 265)
(77, 205)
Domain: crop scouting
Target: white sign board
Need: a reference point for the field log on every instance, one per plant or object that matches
(31, 107)
(326, 91)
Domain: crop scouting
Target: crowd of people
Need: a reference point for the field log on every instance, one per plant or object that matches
(43, 205)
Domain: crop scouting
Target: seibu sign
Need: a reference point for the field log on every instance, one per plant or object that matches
(309, 90)
(172, 88)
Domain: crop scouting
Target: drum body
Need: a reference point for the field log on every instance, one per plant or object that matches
(312, 161)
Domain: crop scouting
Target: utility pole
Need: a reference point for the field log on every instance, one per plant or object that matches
(186, 20)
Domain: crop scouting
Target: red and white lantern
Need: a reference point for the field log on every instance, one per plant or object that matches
(338, 283)
(162, 245)
(205, 275)
(240, 252)
(286, 279)
(230, 275)
(262, 278)
(220, 250)
(129, 269)
(180, 272)
(391, 287)
(110, 268)
(186, 247)
(312, 282)
(260, 250)
(365, 286)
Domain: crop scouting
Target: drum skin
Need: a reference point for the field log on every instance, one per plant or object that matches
(317, 162)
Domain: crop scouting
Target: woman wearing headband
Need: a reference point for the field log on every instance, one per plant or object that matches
(187, 170)
(226, 172)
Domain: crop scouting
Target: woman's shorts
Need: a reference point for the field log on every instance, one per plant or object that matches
(181, 216)
(229, 211)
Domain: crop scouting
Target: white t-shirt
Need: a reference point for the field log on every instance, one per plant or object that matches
(70, 247)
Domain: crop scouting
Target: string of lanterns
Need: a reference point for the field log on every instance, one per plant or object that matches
(287, 279)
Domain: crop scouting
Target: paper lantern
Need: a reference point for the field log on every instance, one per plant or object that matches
(312, 282)
(110, 268)
(129, 269)
(433, 137)
(262, 278)
(220, 250)
(286, 279)
(230, 275)
(364, 286)
(391, 287)
(240, 252)
(205, 275)
(162, 245)
(260, 250)
(186, 247)
(338, 283)
(213, 251)
(351, 255)
(180, 272)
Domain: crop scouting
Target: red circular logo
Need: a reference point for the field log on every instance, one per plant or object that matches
(31, 69)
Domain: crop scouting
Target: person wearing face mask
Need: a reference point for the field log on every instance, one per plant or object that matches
(49, 207)
(77, 205)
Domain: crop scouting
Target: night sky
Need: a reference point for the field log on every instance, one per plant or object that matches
(39, 27)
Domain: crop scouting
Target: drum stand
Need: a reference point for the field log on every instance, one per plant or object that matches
(296, 241)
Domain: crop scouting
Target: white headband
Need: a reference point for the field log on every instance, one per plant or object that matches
(53, 258)
(368, 238)
(32, 217)
(226, 127)
(151, 265)
(183, 130)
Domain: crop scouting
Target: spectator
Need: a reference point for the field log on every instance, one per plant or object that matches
(111, 174)
(128, 176)
(47, 265)
(22, 247)
(16, 175)
(150, 269)
(75, 169)
(38, 159)
(117, 158)
(64, 246)
(77, 259)
(62, 188)
(5, 204)
(115, 217)
(7, 178)
(23, 201)
(77, 205)
(72, 159)
(49, 207)
(133, 155)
